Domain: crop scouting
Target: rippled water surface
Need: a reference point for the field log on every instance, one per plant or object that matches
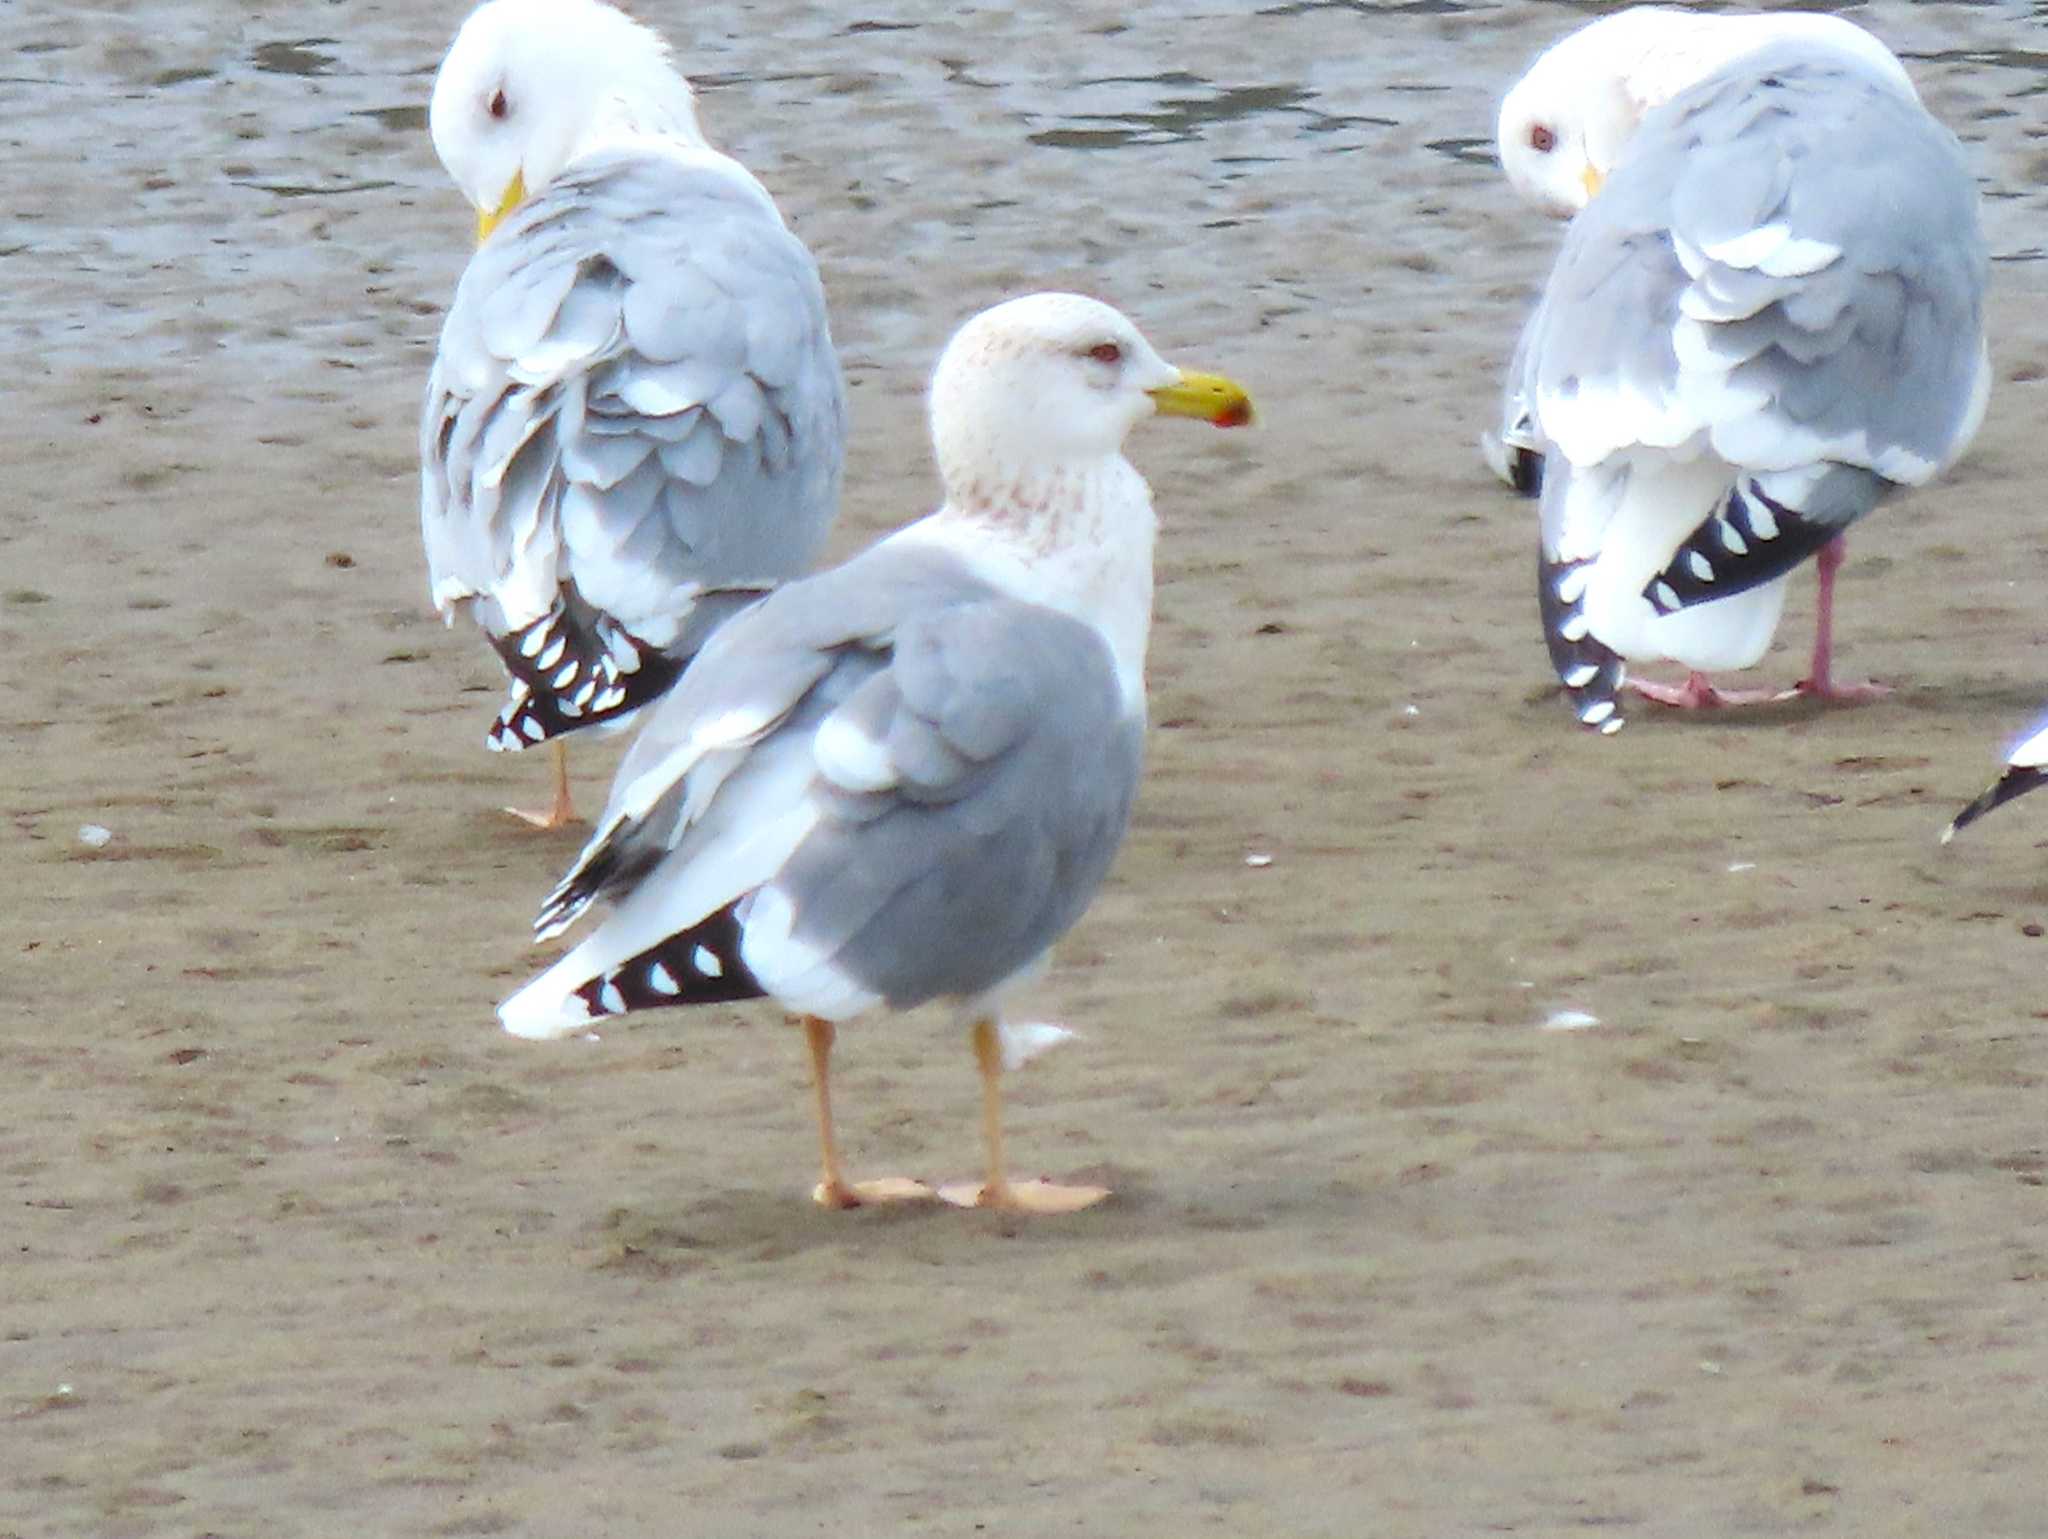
(204, 130)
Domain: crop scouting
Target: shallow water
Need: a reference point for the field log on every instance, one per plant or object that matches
(200, 121)
(298, 1241)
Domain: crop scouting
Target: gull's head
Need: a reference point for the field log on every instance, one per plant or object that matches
(530, 85)
(1051, 382)
(1566, 122)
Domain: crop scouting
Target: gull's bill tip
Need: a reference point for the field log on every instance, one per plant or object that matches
(488, 219)
(1206, 397)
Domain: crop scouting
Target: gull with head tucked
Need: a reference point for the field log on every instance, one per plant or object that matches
(635, 421)
(1567, 121)
(903, 779)
(1766, 318)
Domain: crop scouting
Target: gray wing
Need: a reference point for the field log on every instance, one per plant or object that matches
(636, 397)
(987, 790)
(885, 783)
(766, 678)
(1786, 270)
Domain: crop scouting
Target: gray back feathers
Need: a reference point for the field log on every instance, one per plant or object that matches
(636, 393)
(998, 788)
(1707, 256)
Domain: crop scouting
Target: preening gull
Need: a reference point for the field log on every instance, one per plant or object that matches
(635, 421)
(1768, 319)
(1565, 122)
(903, 779)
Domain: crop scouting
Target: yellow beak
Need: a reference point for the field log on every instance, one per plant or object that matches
(1590, 179)
(488, 219)
(1207, 397)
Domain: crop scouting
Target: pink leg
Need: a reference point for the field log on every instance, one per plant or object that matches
(1698, 693)
(1820, 681)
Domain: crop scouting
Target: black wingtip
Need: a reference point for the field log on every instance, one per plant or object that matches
(567, 676)
(1754, 539)
(1591, 671)
(698, 966)
(2018, 780)
(1525, 471)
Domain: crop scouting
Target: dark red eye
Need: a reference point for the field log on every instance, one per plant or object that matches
(497, 106)
(1106, 352)
(1542, 140)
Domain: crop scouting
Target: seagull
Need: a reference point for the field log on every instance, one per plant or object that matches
(635, 422)
(1767, 317)
(903, 779)
(1571, 117)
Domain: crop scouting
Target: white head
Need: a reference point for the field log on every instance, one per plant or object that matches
(1049, 384)
(1565, 123)
(530, 85)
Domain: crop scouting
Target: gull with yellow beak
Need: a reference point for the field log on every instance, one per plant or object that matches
(1563, 125)
(901, 780)
(636, 421)
(1768, 320)
(1566, 122)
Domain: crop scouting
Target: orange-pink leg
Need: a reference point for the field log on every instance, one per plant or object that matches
(833, 1189)
(563, 812)
(998, 1191)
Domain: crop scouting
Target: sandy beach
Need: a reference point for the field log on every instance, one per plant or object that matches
(297, 1243)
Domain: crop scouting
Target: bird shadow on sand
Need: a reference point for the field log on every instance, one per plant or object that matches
(1976, 700)
(767, 1224)
(1979, 700)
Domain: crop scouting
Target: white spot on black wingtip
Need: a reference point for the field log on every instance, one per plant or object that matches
(1702, 568)
(662, 981)
(1761, 523)
(706, 962)
(1664, 596)
(565, 676)
(610, 999)
(1589, 670)
(1732, 540)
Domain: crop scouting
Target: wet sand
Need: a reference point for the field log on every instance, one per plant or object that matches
(299, 1244)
